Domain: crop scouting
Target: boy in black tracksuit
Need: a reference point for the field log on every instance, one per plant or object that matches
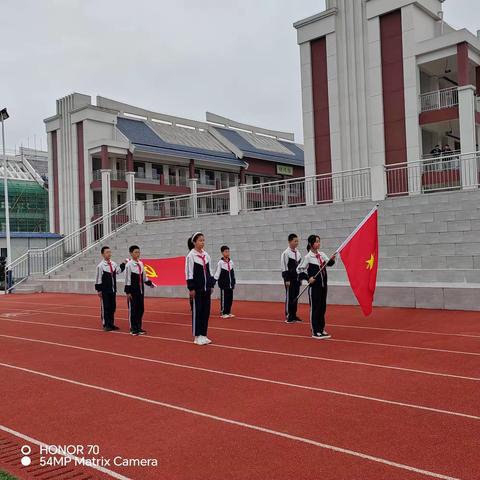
(315, 262)
(135, 281)
(289, 262)
(106, 286)
(225, 276)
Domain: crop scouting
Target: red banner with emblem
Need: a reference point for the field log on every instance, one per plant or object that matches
(165, 272)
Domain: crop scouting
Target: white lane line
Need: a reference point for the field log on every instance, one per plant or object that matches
(111, 473)
(246, 377)
(265, 352)
(237, 423)
(399, 330)
(275, 334)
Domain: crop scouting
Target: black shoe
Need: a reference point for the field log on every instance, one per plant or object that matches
(297, 319)
(289, 321)
(108, 329)
(132, 332)
(114, 327)
(142, 332)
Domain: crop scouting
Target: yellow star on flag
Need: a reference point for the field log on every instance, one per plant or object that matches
(370, 262)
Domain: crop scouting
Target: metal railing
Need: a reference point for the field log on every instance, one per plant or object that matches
(215, 202)
(325, 188)
(438, 99)
(114, 175)
(46, 260)
(437, 174)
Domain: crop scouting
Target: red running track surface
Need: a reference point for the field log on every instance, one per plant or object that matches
(392, 396)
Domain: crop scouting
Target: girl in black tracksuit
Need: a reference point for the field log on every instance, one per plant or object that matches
(314, 262)
(200, 283)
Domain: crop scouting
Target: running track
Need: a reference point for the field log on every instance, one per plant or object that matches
(395, 396)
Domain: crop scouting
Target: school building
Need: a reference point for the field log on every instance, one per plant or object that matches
(386, 82)
(102, 155)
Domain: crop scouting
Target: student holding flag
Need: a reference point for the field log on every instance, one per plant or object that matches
(313, 269)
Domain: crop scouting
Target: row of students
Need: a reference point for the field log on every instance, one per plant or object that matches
(201, 281)
(135, 281)
(200, 284)
(311, 268)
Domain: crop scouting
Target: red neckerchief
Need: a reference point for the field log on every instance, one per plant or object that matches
(228, 263)
(295, 252)
(110, 265)
(203, 260)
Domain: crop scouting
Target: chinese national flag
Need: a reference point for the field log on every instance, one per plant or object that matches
(165, 271)
(360, 256)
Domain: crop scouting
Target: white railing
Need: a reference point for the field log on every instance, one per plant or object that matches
(325, 188)
(46, 260)
(186, 206)
(438, 99)
(114, 175)
(437, 174)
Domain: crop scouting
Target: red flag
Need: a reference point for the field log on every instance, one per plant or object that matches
(360, 256)
(165, 271)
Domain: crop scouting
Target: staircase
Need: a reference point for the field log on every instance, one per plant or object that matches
(429, 249)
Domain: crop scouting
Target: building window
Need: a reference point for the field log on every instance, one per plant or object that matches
(139, 168)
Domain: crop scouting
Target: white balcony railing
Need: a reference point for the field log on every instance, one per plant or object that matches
(326, 188)
(438, 99)
(184, 206)
(437, 174)
(114, 175)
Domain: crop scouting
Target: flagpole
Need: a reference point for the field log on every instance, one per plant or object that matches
(360, 225)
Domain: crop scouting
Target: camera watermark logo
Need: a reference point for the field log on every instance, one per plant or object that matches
(26, 451)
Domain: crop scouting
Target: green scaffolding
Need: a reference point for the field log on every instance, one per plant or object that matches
(28, 203)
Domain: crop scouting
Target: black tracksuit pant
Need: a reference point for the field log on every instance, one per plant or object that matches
(226, 300)
(108, 307)
(135, 311)
(200, 311)
(291, 304)
(318, 306)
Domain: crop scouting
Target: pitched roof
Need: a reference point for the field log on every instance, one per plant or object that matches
(264, 147)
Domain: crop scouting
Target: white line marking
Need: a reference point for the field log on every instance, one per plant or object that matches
(400, 330)
(247, 377)
(73, 457)
(237, 423)
(266, 352)
(275, 334)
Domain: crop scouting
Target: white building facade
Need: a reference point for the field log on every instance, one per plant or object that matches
(383, 83)
(105, 154)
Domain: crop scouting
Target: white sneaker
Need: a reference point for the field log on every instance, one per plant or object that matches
(225, 316)
(198, 341)
(206, 340)
(231, 315)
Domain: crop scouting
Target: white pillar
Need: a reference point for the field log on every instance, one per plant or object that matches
(234, 194)
(466, 114)
(310, 190)
(193, 191)
(378, 188)
(139, 211)
(106, 200)
(130, 177)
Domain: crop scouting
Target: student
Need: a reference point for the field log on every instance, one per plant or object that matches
(289, 261)
(225, 276)
(106, 286)
(314, 262)
(135, 281)
(200, 283)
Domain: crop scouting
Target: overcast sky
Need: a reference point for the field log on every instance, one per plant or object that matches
(181, 57)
